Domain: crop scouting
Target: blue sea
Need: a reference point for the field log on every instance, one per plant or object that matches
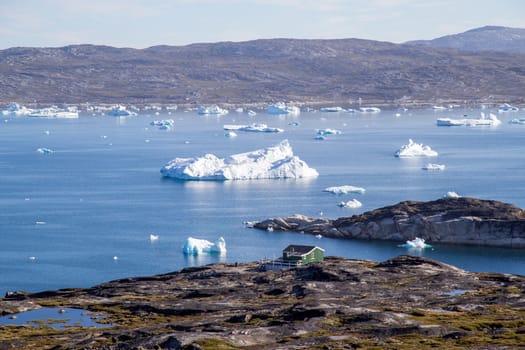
(83, 214)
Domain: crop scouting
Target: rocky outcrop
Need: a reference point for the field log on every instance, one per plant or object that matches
(402, 303)
(448, 220)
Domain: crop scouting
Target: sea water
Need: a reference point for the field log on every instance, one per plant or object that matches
(84, 213)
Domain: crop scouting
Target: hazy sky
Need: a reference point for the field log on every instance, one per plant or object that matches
(144, 23)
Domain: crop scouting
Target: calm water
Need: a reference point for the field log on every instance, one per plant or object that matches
(66, 215)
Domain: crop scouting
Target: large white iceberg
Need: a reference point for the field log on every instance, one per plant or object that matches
(14, 109)
(195, 246)
(413, 149)
(267, 163)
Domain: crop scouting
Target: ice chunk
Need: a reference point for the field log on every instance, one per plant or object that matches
(413, 149)
(282, 108)
(195, 246)
(215, 110)
(44, 150)
(230, 134)
(431, 166)
(417, 243)
(451, 194)
(344, 189)
(353, 203)
(255, 127)
(268, 163)
(153, 237)
(328, 132)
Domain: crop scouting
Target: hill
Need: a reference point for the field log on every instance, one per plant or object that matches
(488, 38)
(261, 71)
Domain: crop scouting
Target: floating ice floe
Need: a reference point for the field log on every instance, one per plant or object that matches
(268, 163)
(282, 108)
(369, 110)
(517, 121)
(44, 150)
(55, 112)
(252, 113)
(344, 189)
(431, 166)
(507, 108)
(332, 109)
(164, 123)
(230, 134)
(195, 246)
(14, 109)
(153, 237)
(255, 127)
(121, 111)
(492, 120)
(328, 132)
(451, 194)
(353, 203)
(417, 243)
(413, 149)
(215, 110)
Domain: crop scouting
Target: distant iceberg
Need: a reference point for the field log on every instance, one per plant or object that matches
(344, 189)
(282, 108)
(353, 203)
(507, 108)
(432, 166)
(492, 120)
(332, 109)
(195, 246)
(413, 149)
(269, 163)
(517, 121)
(369, 110)
(215, 110)
(451, 194)
(121, 111)
(44, 150)
(14, 109)
(328, 132)
(255, 127)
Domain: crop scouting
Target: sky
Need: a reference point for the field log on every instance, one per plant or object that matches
(145, 23)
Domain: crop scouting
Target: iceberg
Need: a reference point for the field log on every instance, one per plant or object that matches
(451, 194)
(215, 110)
(335, 109)
(276, 162)
(353, 203)
(14, 109)
(344, 189)
(44, 150)
(413, 149)
(507, 108)
(517, 121)
(121, 111)
(492, 120)
(431, 166)
(255, 127)
(195, 246)
(282, 108)
(417, 243)
(369, 110)
(328, 132)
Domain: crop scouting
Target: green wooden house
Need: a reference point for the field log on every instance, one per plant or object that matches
(303, 254)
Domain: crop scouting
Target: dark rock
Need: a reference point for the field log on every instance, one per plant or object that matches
(449, 220)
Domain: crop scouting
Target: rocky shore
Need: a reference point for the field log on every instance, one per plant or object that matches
(449, 220)
(403, 303)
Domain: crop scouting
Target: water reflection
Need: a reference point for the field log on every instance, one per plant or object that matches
(58, 318)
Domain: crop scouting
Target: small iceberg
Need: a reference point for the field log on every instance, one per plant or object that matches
(214, 110)
(492, 120)
(353, 203)
(14, 109)
(163, 123)
(276, 162)
(432, 166)
(332, 109)
(121, 111)
(252, 113)
(55, 112)
(450, 122)
(44, 150)
(413, 149)
(344, 189)
(416, 243)
(230, 134)
(195, 246)
(517, 121)
(328, 131)
(255, 127)
(369, 110)
(507, 108)
(282, 108)
(451, 194)
(153, 237)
